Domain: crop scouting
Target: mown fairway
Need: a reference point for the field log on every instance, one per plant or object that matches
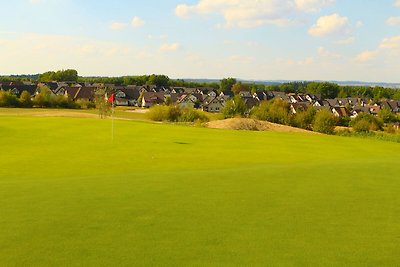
(168, 195)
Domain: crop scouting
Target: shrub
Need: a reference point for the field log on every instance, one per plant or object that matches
(158, 113)
(192, 115)
(176, 114)
(276, 111)
(324, 122)
(366, 122)
(85, 104)
(234, 107)
(25, 100)
(305, 119)
(8, 99)
(387, 116)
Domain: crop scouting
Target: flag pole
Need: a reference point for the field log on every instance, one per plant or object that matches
(112, 122)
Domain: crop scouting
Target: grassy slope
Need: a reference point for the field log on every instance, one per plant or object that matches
(176, 195)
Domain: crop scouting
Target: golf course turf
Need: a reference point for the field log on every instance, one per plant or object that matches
(175, 195)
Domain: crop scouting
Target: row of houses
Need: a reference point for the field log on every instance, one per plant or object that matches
(205, 98)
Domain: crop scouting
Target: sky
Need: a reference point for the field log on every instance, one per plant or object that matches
(336, 40)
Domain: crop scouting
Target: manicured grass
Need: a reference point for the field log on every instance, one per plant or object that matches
(170, 195)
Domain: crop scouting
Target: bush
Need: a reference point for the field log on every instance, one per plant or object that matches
(324, 122)
(85, 104)
(25, 100)
(176, 114)
(387, 116)
(192, 115)
(305, 119)
(234, 107)
(8, 99)
(158, 113)
(276, 111)
(366, 122)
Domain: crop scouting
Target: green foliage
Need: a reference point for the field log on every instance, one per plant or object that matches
(43, 98)
(366, 122)
(158, 80)
(234, 107)
(276, 111)
(25, 100)
(240, 87)
(387, 116)
(175, 114)
(102, 104)
(226, 84)
(305, 119)
(325, 89)
(8, 99)
(69, 75)
(325, 122)
(85, 104)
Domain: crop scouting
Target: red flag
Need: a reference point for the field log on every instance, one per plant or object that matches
(111, 99)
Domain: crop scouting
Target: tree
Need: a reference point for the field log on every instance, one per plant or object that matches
(387, 116)
(325, 89)
(239, 87)
(43, 99)
(168, 101)
(68, 75)
(102, 103)
(305, 119)
(234, 107)
(226, 84)
(158, 80)
(8, 99)
(275, 110)
(366, 122)
(25, 99)
(324, 122)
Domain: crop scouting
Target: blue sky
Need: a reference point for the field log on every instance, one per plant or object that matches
(252, 39)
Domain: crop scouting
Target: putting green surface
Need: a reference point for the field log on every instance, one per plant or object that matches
(170, 195)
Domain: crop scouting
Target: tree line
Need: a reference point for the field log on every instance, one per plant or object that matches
(226, 85)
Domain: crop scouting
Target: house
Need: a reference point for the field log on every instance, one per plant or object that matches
(150, 99)
(189, 100)
(392, 105)
(213, 105)
(299, 107)
(127, 96)
(251, 102)
(341, 112)
(80, 93)
(280, 95)
(17, 88)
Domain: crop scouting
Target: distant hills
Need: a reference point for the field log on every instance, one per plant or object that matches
(277, 82)
(265, 82)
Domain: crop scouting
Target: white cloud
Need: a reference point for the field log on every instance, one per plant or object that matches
(118, 25)
(389, 48)
(253, 13)
(397, 3)
(359, 24)
(313, 5)
(366, 56)
(137, 22)
(169, 47)
(333, 24)
(390, 43)
(346, 41)
(393, 21)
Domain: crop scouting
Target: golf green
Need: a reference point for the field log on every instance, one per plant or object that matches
(173, 195)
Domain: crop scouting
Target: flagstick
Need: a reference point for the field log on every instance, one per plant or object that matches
(112, 122)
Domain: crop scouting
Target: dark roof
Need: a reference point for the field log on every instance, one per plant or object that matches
(31, 89)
